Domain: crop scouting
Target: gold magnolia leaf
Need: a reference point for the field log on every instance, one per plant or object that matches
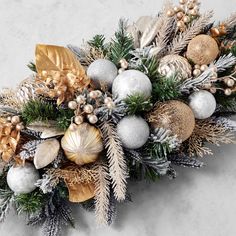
(52, 58)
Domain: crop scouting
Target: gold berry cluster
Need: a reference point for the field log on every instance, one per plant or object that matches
(184, 12)
(9, 136)
(123, 65)
(84, 106)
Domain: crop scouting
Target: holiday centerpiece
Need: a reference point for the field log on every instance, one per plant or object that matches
(91, 121)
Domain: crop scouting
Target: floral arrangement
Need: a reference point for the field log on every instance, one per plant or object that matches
(90, 121)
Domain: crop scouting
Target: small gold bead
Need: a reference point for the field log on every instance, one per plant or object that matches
(79, 120)
(107, 99)
(203, 67)
(93, 119)
(193, 12)
(182, 1)
(170, 13)
(180, 24)
(72, 105)
(197, 66)
(180, 15)
(88, 109)
(176, 9)
(228, 91)
(196, 72)
(230, 82)
(19, 127)
(214, 75)
(15, 120)
(186, 19)
(190, 5)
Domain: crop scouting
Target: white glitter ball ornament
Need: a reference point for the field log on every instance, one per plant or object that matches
(102, 72)
(133, 131)
(203, 104)
(21, 179)
(131, 82)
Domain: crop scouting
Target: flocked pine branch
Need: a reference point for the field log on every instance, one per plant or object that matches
(181, 159)
(195, 28)
(223, 63)
(116, 160)
(6, 198)
(102, 193)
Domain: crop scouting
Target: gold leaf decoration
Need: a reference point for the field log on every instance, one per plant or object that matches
(61, 72)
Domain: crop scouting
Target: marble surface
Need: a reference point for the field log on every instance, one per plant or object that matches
(197, 203)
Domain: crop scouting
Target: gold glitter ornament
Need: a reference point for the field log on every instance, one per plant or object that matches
(202, 50)
(175, 116)
(171, 65)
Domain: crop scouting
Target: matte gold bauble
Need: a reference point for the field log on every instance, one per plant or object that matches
(175, 116)
(83, 144)
(202, 50)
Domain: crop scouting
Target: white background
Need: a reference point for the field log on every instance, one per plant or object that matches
(197, 203)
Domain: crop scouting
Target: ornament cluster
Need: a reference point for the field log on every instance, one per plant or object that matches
(90, 119)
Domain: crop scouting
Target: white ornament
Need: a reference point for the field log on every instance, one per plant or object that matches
(130, 82)
(22, 179)
(133, 132)
(203, 104)
(102, 71)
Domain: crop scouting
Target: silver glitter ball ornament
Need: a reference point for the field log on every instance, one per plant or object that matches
(22, 179)
(131, 82)
(102, 72)
(203, 104)
(133, 131)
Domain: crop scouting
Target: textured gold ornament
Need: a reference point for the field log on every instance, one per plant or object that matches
(202, 50)
(175, 116)
(83, 144)
(58, 68)
(171, 65)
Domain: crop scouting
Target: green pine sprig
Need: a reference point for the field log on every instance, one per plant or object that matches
(32, 66)
(30, 203)
(149, 66)
(165, 88)
(121, 45)
(98, 42)
(137, 104)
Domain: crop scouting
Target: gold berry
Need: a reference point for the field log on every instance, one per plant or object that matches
(203, 67)
(88, 108)
(228, 92)
(110, 105)
(80, 99)
(230, 82)
(177, 9)
(93, 94)
(93, 119)
(180, 15)
(196, 72)
(19, 127)
(107, 99)
(170, 13)
(72, 105)
(15, 120)
(186, 19)
(182, 1)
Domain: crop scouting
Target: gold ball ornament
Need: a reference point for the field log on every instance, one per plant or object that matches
(82, 145)
(171, 65)
(202, 50)
(175, 116)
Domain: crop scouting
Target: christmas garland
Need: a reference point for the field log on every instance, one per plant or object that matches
(89, 121)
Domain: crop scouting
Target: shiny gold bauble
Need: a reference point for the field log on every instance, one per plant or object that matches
(202, 50)
(175, 116)
(82, 145)
(175, 65)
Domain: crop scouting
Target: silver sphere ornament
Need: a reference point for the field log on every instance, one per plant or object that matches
(131, 82)
(203, 104)
(102, 72)
(133, 131)
(22, 179)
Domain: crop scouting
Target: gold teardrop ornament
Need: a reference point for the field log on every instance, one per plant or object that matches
(60, 71)
(83, 144)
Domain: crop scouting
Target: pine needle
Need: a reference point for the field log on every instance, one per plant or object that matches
(102, 193)
(116, 160)
(183, 38)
